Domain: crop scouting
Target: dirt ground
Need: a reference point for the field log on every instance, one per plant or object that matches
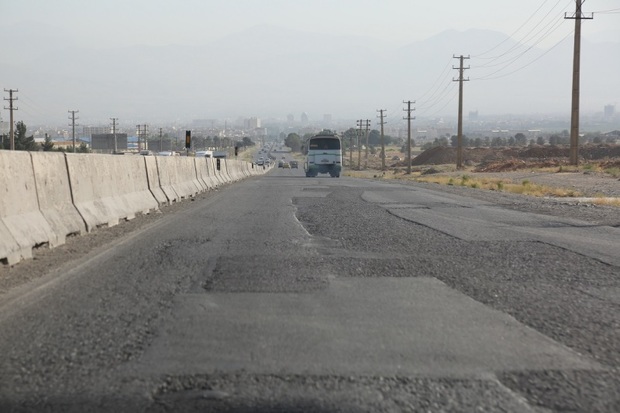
(597, 175)
(489, 159)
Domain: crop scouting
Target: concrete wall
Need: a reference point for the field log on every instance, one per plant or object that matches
(22, 223)
(45, 196)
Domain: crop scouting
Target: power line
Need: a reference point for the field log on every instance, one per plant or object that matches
(524, 39)
(610, 11)
(513, 33)
(445, 70)
(534, 38)
(511, 60)
(439, 98)
(489, 76)
(454, 95)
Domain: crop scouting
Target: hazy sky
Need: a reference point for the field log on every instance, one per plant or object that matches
(59, 33)
(163, 22)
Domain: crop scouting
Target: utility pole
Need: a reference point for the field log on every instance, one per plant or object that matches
(574, 119)
(459, 136)
(73, 125)
(11, 108)
(409, 118)
(142, 135)
(139, 133)
(351, 150)
(367, 121)
(114, 133)
(359, 147)
(161, 140)
(382, 122)
(146, 143)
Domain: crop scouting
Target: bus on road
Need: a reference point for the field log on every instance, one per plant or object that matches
(323, 154)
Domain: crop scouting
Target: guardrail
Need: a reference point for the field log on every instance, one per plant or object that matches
(47, 196)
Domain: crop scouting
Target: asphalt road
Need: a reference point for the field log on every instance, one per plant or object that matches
(290, 294)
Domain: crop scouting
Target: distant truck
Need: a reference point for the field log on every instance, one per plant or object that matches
(323, 154)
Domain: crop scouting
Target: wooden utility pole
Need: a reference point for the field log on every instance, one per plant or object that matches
(161, 139)
(142, 135)
(351, 150)
(574, 119)
(409, 118)
(11, 108)
(73, 125)
(459, 136)
(382, 122)
(367, 121)
(114, 133)
(359, 147)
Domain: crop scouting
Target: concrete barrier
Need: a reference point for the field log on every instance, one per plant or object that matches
(47, 196)
(235, 170)
(198, 164)
(167, 177)
(152, 174)
(133, 185)
(54, 194)
(178, 175)
(22, 224)
(188, 183)
(218, 176)
(108, 188)
(202, 170)
(10, 251)
(224, 170)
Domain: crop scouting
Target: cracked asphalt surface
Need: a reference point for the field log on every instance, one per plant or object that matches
(80, 321)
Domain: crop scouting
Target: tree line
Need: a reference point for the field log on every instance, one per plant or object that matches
(27, 143)
(518, 139)
(294, 141)
(23, 142)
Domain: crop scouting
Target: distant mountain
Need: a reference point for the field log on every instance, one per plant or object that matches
(269, 71)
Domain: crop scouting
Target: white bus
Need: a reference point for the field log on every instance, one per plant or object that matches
(323, 154)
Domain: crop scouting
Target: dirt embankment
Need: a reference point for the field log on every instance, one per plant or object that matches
(512, 159)
(597, 174)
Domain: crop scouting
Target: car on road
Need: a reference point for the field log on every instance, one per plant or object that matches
(294, 164)
(286, 165)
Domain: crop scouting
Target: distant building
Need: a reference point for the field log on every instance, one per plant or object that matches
(94, 130)
(304, 118)
(473, 116)
(104, 142)
(290, 118)
(609, 111)
(252, 123)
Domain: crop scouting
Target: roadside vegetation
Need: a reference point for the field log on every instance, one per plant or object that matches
(484, 176)
(524, 187)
